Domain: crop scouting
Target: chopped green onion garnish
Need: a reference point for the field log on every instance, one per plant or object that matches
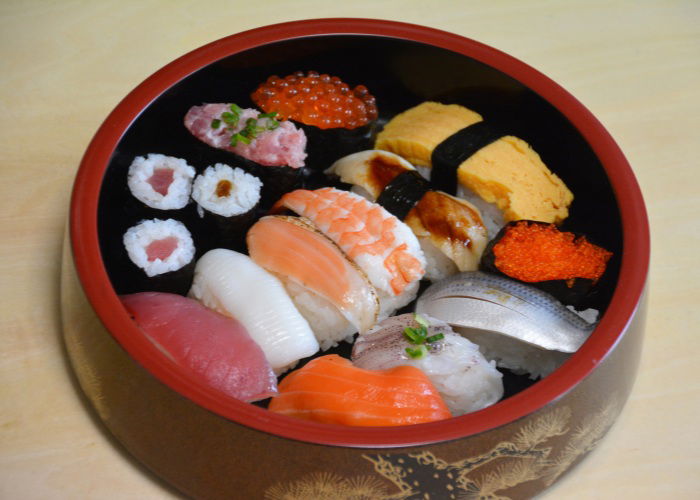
(236, 108)
(215, 123)
(435, 338)
(414, 335)
(267, 115)
(418, 352)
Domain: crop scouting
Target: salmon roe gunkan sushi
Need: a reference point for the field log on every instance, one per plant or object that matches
(533, 251)
(320, 100)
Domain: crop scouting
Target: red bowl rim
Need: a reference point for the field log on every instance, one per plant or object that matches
(97, 287)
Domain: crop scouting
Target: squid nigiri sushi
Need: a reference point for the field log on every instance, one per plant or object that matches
(215, 349)
(379, 243)
(330, 291)
(232, 284)
(330, 389)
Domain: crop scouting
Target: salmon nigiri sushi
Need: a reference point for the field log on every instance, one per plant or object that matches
(330, 389)
(379, 243)
(329, 290)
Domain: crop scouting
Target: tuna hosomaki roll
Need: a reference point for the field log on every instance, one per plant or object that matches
(564, 264)
(161, 253)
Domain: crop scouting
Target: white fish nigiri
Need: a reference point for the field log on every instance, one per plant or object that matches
(232, 284)
(466, 381)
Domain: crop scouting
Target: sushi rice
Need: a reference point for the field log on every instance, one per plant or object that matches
(148, 176)
(226, 191)
(138, 239)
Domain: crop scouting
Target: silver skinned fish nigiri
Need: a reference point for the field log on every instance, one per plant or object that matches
(519, 326)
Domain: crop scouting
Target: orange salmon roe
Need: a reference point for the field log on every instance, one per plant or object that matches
(533, 252)
(320, 100)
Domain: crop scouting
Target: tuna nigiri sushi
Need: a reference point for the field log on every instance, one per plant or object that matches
(216, 350)
(332, 293)
(232, 284)
(383, 246)
(330, 389)
(256, 136)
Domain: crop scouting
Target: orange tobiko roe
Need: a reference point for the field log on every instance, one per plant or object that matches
(534, 252)
(319, 100)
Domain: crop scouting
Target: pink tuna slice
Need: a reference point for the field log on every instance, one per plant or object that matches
(161, 179)
(215, 350)
(161, 249)
(282, 146)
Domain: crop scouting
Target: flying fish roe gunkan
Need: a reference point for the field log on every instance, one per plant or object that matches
(320, 100)
(533, 252)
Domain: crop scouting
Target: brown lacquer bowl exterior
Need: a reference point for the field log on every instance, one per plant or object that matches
(210, 447)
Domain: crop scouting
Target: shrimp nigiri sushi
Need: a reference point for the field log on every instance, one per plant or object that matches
(330, 389)
(379, 243)
(451, 231)
(232, 284)
(329, 290)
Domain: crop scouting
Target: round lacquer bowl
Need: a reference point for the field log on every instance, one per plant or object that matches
(209, 446)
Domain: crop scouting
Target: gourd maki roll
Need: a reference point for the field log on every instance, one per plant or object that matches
(226, 198)
(162, 256)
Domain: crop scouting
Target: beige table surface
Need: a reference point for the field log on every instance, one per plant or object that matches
(65, 64)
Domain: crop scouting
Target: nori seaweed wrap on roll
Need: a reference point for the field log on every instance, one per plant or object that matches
(161, 257)
(563, 264)
(159, 187)
(337, 120)
(226, 199)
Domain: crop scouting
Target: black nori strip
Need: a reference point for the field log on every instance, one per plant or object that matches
(229, 232)
(403, 192)
(132, 279)
(450, 153)
(324, 146)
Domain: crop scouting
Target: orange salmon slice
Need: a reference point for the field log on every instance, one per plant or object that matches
(331, 389)
(292, 247)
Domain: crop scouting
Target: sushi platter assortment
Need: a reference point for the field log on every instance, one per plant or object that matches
(333, 266)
